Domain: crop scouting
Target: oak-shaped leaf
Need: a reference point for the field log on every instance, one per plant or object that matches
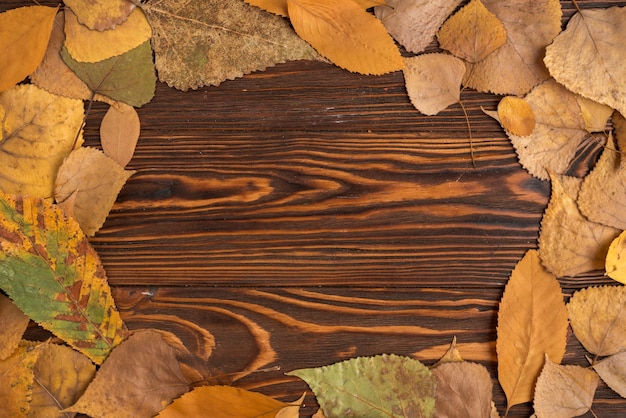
(24, 35)
(383, 385)
(13, 323)
(346, 34)
(52, 273)
(615, 263)
(38, 132)
(16, 385)
(101, 14)
(205, 42)
(85, 45)
(516, 116)
(119, 132)
(598, 319)
(94, 180)
(564, 391)
(472, 33)
(587, 57)
(612, 370)
(433, 81)
(532, 322)
(61, 375)
(569, 243)
(138, 379)
(228, 402)
(128, 77)
(413, 23)
(464, 389)
(530, 27)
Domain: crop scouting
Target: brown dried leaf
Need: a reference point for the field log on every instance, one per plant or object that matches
(472, 33)
(532, 322)
(119, 132)
(413, 23)
(433, 81)
(13, 323)
(516, 116)
(101, 14)
(564, 391)
(598, 319)
(464, 389)
(530, 27)
(587, 57)
(96, 179)
(570, 244)
(347, 35)
(137, 380)
(619, 129)
(612, 370)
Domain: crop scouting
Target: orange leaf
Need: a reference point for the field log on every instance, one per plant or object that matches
(347, 35)
(13, 323)
(532, 322)
(516, 116)
(17, 381)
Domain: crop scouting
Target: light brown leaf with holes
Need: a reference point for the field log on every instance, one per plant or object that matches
(612, 370)
(119, 132)
(13, 323)
(464, 389)
(101, 14)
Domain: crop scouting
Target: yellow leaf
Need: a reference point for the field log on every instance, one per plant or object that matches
(516, 116)
(86, 45)
(587, 57)
(532, 322)
(598, 319)
(595, 114)
(39, 130)
(13, 323)
(347, 35)
(569, 243)
(101, 14)
(278, 7)
(24, 35)
(472, 33)
(615, 264)
(433, 81)
(119, 132)
(96, 179)
(17, 381)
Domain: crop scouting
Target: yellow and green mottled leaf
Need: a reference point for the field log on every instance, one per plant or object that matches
(52, 273)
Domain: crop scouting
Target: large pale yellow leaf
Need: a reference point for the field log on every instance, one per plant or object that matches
(13, 323)
(85, 45)
(413, 23)
(24, 35)
(472, 33)
(588, 57)
(101, 14)
(96, 179)
(564, 391)
(612, 371)
(347, 35)
(433, 81)
(119, 132)
(464, 389)
(517, 66)
(16, 381)
(532, 322)
(598, 319)
(615, 264)
(569, 243)
(39, 130)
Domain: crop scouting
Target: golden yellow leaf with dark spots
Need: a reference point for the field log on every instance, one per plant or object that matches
(17, 381)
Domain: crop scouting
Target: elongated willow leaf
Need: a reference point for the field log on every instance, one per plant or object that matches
(52, 273)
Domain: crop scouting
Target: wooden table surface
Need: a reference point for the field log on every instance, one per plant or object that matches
(305, 215)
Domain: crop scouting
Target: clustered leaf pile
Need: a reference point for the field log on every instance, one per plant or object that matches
(561, 88)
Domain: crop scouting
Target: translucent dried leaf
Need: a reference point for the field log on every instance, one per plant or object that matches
(61, 376)
(472, 33)
(587, 57)
(38, 132)
(596, 115)
(24, 35)
(516, 116)
(85, 45)
(190, 39)
(388, 384)
(569, 243)
(347, 35)
(138, 379)
(564, 391)
(615, 264)
(451, 355)
(532, 322)
(413, 23)
(52, 273)
(464, 389)
(517, 66)
(598, 319)
(96, 180)
(433, 81)
(612, 370)
(101, 14)
(13, 323)
(119, 132)
(278, 7)
(17, 381)
(226, 402)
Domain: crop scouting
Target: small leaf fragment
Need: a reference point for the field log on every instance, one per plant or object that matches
(119, 132)
(464, 389)
(13, 323)
(612, 370)
(101, 14)
(516, 116)
(615, 264)
(452, 355)
(278, 7)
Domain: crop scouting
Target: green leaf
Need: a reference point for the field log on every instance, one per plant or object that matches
(53, 275)
(369, 387)
(128, 77)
